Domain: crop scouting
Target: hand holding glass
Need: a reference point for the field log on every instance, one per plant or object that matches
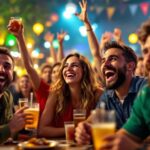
(32, 117)
(103, 124)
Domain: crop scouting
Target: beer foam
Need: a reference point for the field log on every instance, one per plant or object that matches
(104, 125)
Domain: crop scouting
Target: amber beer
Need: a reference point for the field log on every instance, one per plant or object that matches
(78, 118)
(79, 115)
(69, 131)
(23, 102)
(32, 117)
(15, 23)
(100, 130)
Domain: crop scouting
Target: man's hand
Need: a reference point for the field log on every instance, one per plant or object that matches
(18, 121)
(119, 142)
(83, 133)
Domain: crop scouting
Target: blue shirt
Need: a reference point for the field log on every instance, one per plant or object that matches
(123, 110)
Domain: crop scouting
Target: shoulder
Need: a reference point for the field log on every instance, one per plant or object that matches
(7, 95)
(139, 80)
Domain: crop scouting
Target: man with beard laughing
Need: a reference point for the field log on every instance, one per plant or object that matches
(121, 86)
(9, 123)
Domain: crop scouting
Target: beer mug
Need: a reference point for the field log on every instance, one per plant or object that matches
(103, 124)
(15, 23)
(32, 117)
(69, 131)
(79, 115)
(23, 102)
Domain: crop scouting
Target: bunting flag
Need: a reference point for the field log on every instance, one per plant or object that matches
(133, 9)
(122, 8)
(110, 12)
(144, 7)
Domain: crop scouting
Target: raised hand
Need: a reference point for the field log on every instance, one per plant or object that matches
(83, 15)
(106, 37)
(117, 35)
(61, 36)
(49, 37)
(15, 27)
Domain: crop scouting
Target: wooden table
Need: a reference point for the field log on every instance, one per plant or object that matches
(61, 146)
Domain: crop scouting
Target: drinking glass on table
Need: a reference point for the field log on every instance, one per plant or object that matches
(79, 115)
(103, 124)
(69, 131)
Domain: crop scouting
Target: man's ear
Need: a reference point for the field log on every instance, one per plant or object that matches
(131, 66)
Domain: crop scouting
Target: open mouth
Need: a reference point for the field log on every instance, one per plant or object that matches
(2, 78)
(110, 75)
(70, 75)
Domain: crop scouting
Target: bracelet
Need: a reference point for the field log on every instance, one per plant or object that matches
(90, 29)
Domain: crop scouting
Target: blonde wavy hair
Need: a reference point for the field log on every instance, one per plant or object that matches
(89, 85)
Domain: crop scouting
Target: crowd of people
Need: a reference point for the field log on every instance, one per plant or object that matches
(118, 78)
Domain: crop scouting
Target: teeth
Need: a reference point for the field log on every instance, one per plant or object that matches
(2, 77)
(70, 74)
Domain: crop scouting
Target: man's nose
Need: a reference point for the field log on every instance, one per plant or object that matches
(2, 68)
(107, 63)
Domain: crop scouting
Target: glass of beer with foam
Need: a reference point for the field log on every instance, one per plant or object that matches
(103, 124)
(32, 117)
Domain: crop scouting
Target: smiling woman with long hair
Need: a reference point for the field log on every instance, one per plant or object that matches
(76, 87)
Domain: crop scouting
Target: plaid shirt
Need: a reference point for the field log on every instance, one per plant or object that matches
(123, 110)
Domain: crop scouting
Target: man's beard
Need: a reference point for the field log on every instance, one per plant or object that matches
(5, 86)
(120, 79)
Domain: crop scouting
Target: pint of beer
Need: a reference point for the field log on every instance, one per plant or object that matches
(32, 118)
(103, 124)
(79, 115)
(23, 102)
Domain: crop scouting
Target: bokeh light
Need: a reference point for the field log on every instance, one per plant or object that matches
(133, 38)
(38, 28)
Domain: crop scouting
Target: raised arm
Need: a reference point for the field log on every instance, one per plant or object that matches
(25, 54)
(93, 43)
(60, 53)
(50, 37)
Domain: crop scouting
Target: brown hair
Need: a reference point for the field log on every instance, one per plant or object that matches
(127, 52)
(144, 31)
(6, 51)
(88, 85)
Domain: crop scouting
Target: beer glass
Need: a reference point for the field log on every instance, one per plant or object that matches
(69, 131)
(23, 102)
(103, 124)
(79, 115)
(32, 117)
(15, 23)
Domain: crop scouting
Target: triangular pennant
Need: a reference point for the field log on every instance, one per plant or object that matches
(133, 8)
(110, 12)
(122, 7)
(144, 7)
(99, 9)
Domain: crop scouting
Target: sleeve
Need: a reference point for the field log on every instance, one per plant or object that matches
(42, 93)
(4, 133)
(136, 124)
